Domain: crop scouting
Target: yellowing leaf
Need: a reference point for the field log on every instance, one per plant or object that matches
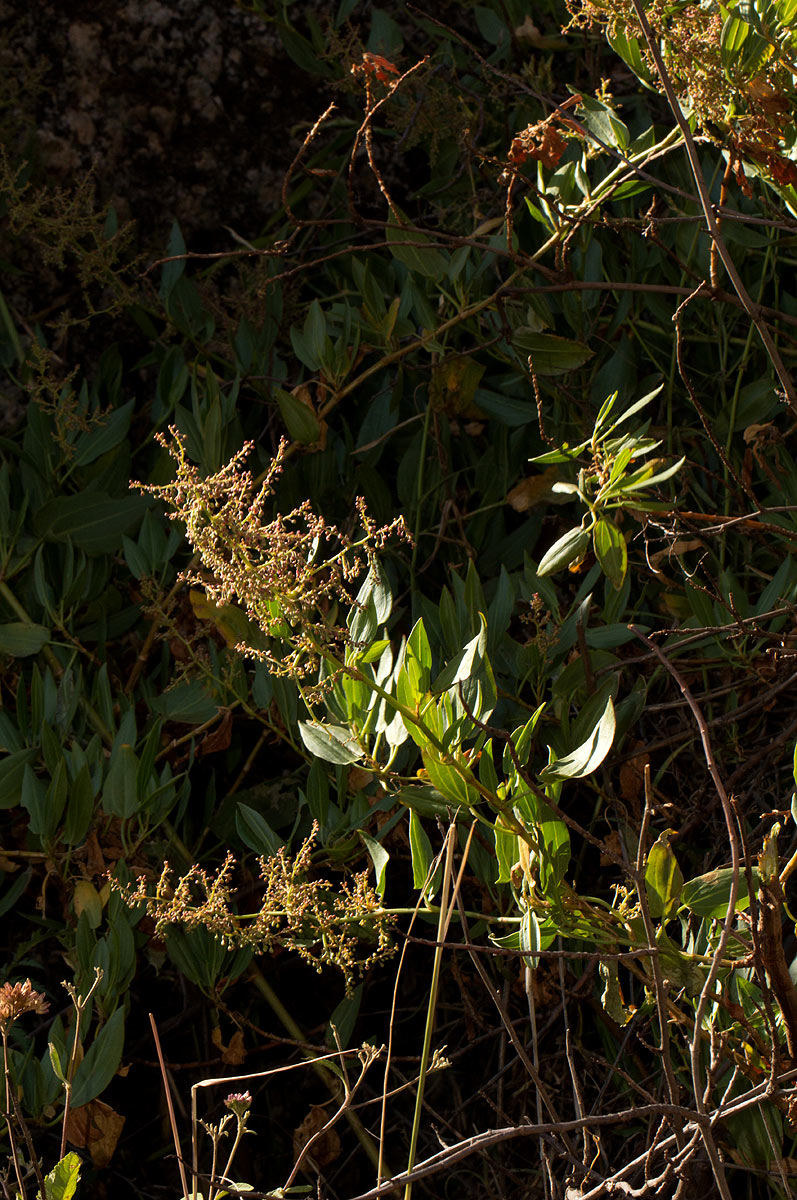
(231, 622)
(452, 387)
(87, 899)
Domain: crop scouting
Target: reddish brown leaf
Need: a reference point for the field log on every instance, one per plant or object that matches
(97, 1127)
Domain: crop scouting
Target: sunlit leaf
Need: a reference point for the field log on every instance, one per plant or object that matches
(332, 743)
(663, 879)
(610, 551)
(589, 756)
(709, 895)
(568, 549)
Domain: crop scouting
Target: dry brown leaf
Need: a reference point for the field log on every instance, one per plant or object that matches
(613, 851)
(218, 738)
(534, 489)
(528, 31)
(326, 1148)
(95, 859)
(232, 1054)
(764, 433)
(632, 778)
(678, 547)
(97, 1127)
(358, 779)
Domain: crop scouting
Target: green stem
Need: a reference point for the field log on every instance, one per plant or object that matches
(431, 1010)
(225, 1175)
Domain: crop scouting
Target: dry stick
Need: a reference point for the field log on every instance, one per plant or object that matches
(326, 1076)
(708, 986)
(701, 412)
(381, 1168)
(366, 1061)
(708, 210)
(617, 285)
(520, 1049)
(228, 1079)
(311, 136)
(760, 962)
(473, 1145)
(751, 519)
(34, 1160)
(170, 1106)
(714, 259)
(578, 1098)
(365, 133)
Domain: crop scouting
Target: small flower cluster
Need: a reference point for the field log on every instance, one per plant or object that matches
(16, 999)
(239, 1104)
(323, 925)
(289, 573)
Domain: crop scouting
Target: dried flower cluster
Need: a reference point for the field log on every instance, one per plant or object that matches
(752, 97)
(541, 143)
(374, 66)
(16, 999)
(289, 573)
(326, 926)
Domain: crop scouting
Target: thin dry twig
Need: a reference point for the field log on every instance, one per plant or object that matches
(719, 954)
(170, 1106)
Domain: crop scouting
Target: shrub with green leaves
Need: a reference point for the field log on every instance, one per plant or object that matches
(460, 555)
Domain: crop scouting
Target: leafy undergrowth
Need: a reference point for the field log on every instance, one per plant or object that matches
(400, 768)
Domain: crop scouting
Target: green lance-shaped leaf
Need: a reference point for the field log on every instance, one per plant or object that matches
(589, 755)
(663, 878)
(255, 832)
(568, 549)
(422, 855)
(630, 52)
(380, 858)
(12, 773)
(332, 743)
(102, 1060)
(20, 639)
(612, 995)
(610, 551)
(530, 938)
(411, 248)
(300, 420)
(549, 354)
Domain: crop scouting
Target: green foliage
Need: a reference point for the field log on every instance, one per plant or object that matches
(249, 653)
